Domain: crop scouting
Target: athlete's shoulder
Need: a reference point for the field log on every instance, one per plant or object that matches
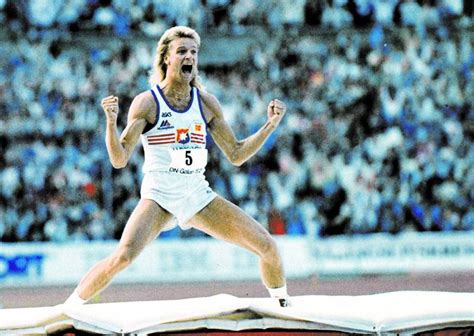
(143, 105)
(145, 98)
(210, 102)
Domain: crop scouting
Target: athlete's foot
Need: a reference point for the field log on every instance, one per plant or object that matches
(281, 294)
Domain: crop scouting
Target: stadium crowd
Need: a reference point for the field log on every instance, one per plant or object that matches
(378, 135)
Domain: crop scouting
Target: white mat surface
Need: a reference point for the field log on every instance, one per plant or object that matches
(386, 313)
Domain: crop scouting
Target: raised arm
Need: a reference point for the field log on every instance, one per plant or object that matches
(239, 151)
(121, 148)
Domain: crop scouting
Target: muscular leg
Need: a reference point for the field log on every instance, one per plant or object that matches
(145, 223)
(224, 220)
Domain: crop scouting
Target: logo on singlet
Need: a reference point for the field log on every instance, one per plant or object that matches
(165, 124)
(182, 135)
(197, 133)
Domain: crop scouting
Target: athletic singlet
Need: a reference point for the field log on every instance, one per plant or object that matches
(176, 143)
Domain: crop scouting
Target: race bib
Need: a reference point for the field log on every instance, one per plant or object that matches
(188, 160)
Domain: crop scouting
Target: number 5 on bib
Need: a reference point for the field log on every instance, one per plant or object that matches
(191, 158)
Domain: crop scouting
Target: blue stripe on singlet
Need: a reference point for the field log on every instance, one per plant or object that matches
(171, 107)
(149, 126)
(209, 139)
(200, 108)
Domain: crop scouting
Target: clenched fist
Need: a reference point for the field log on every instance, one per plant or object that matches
(275, 111)
(110, 106)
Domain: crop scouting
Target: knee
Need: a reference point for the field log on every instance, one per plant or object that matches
(269, 250)
(121, 259)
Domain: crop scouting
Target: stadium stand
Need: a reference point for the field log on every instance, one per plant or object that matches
(378, 138)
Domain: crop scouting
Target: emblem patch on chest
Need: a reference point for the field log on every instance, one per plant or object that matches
(197, 133)
(182, 135)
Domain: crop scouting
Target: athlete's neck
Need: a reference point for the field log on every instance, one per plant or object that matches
(177, 93)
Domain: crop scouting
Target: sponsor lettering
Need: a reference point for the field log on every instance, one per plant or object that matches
(185, 171)
(21, 265)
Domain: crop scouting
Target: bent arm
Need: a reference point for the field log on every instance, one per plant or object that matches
(114, 147)
(236, 151)
(120, 148)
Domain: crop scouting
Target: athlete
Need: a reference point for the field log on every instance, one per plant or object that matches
(172, 121)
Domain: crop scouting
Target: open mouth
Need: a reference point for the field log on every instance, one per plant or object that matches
(187, 68)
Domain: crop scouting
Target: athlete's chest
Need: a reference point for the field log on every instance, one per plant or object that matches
(176, 128)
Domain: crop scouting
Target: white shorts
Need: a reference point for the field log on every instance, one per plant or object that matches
(181, 195)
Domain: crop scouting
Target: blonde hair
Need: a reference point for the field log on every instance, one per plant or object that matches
(158, 73)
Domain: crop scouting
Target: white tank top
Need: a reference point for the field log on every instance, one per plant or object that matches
(176, 143)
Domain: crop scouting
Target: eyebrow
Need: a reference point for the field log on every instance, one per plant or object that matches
(185, 47)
